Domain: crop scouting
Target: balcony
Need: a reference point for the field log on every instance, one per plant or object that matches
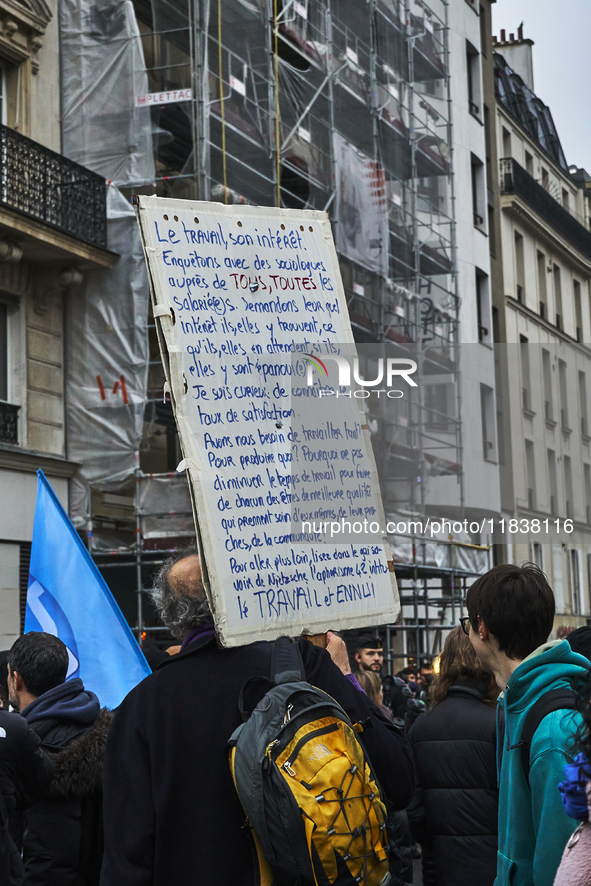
(50, 188)
(8, 423)
(515, 180)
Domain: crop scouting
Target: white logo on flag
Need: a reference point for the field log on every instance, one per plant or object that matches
(46, 621)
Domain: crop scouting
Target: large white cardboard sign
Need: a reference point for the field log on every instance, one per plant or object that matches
(244, 298)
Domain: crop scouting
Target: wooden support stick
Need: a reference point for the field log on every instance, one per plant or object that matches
(317, 639)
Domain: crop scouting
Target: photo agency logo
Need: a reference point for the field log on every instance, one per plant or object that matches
(390, 372)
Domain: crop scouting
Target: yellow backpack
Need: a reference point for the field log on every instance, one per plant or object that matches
(306, 785)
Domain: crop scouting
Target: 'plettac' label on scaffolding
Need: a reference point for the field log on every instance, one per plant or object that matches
(246, 298)
(163, 98)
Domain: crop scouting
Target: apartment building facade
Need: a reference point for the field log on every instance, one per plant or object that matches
(542, 309)
(52, 229)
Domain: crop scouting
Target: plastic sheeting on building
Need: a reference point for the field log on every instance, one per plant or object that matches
(362, 208)
(103, 73)
(436, 549)
(107, 365)
(165, 507)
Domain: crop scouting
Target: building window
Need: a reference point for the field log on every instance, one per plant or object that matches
(553, 483)
(587, 482)
(557, 297)
(578, 311)
(568, 487)
(565, 199)
(529, 163)
(525, 373)
(530, 474)
(542, 286)
(583, 404)
(487, 408)
(473, 79)
(575, 582)
(545, 179)
(519, 269)
(478, 201)
(537, 554)
(3, 352)
(506, 144)
(562, 386)
(483, 307)
(492, 243)
(483, 32)
(547, 379)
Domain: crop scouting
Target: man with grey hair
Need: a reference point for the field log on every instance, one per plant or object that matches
(171, 812)
(179, 596)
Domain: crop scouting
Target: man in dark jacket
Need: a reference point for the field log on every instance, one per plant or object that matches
(25, 772)
(63, 830)
(172, 814)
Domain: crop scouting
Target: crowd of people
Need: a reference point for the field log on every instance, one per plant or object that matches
(485, 767)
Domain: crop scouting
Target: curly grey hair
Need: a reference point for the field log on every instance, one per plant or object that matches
(182, 607)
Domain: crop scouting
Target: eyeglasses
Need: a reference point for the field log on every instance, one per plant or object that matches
(465, 623)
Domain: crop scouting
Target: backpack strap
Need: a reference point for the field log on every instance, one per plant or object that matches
(286, 662)
(286, 667)
(554, 700)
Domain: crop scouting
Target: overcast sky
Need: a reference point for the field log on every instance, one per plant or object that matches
(561, 31)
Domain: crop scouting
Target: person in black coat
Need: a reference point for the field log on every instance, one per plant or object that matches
(171, 811)
(454, 811)
(25, 772)
(62, 836)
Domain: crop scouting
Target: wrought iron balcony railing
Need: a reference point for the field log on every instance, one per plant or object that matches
(48, 187)
(8, 423)
(515, 180)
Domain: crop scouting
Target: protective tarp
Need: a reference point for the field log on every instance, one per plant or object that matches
(107, 366)
(362, 207)
(434, 549)
(471, 559)
(103, 73)
(165, 506)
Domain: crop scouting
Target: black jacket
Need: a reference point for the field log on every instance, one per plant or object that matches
(454, 811)
(171, 812)
(62, 841)
(25, 772)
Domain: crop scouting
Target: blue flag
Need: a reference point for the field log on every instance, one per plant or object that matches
(67, 596)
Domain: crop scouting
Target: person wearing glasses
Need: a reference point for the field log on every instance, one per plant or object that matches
(510, 616)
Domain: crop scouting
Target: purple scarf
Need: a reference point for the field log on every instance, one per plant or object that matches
(205, 630)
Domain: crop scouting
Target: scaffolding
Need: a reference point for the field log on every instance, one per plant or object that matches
(343, 107)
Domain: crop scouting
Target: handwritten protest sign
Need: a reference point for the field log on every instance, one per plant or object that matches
(250, 310)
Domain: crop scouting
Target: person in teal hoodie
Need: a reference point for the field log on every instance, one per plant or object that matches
(510, 616)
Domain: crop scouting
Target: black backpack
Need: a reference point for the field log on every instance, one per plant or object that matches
(306, 784)
(563, 699)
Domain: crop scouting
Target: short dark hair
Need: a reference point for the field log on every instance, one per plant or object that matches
(41, 660)
(580, 641)
(516, 604)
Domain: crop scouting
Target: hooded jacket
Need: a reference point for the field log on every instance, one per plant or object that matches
(62, 842)
(533, 826)
(454, 811)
